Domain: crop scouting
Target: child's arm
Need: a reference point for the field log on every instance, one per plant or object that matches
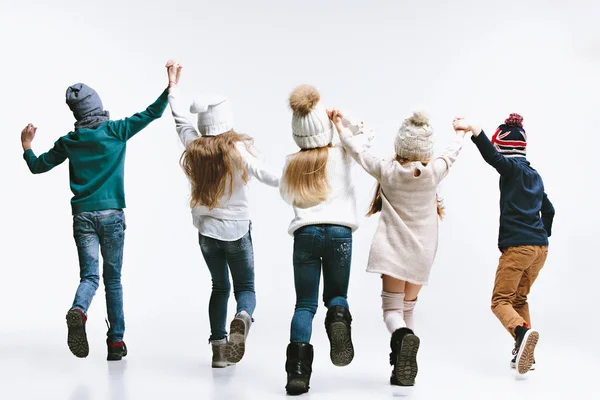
(358, 147)
(256, 168)
(185, 129)
(45, 162)
(443, 163)
(547, 214)
(127, 128)
(489, 153)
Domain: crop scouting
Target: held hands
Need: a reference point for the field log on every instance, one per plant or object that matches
(336, 116)
(465, 125)
(27, 136)
(173, 72)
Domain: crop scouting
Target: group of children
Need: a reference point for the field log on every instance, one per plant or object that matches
(316, 181)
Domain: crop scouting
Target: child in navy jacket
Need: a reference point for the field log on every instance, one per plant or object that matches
(526, 216)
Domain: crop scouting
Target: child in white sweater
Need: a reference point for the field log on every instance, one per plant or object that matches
(405, 244)
(219, 163)
(317, 183)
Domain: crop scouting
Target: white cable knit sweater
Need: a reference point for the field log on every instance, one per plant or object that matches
(234, 208)
(406, 240)
(340, 206)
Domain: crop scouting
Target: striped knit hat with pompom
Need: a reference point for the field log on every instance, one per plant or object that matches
(510, 138)
(414, 141)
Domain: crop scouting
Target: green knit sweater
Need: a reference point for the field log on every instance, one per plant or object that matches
(96, 159)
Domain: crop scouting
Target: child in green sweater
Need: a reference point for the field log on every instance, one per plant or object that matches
(96, 152)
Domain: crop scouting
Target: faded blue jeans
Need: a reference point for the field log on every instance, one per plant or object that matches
(221, 257)
(104, 230)
(319, 246)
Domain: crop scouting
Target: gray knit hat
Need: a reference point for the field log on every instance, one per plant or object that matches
(83, 101)
(414, 141)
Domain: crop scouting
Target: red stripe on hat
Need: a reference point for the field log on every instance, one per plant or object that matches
(495, 136)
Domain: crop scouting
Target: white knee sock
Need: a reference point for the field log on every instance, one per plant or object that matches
(409, 308)
(393, 310)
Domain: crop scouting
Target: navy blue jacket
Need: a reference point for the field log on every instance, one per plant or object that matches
(526, 213)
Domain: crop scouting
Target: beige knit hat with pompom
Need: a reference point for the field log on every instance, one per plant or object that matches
(311, 127)
(414, 141)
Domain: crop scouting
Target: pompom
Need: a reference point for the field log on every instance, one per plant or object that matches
(419, 118)
(514, 120)
(303, 99)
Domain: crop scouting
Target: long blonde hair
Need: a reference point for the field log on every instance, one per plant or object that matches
(377, 203)
(305, 177)
(210, 163)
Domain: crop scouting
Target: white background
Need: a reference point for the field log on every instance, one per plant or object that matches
(379, 61)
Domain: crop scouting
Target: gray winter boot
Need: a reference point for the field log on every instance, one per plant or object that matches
(218, 348)
(238, 332)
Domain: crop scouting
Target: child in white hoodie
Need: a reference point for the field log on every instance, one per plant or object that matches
(219, 163)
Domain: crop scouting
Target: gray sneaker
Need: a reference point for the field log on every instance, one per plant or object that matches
(218, 348)
(238, 332)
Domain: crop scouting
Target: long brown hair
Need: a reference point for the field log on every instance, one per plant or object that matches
(305, 177)
(210, 163)
(377, 203)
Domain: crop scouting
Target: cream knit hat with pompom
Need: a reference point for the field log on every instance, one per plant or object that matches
(311, 126)
(414, 141)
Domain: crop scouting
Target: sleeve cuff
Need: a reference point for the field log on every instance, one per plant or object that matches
(479, 137)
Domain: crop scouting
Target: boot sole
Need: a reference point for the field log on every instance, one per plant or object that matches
(342, 350)
(525, 356)
(296, 387)
(406, 360)
(220, 364)
(235, 349)
(76, 336)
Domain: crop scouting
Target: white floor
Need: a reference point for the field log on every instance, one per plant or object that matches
(36, 364)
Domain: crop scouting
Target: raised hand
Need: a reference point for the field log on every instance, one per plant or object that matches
(336, 116)
(173, 72)
(463, 124)
(27, 136)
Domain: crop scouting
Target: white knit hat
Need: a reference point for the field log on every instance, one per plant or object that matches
(214, 115)
(311, 127)
(414, 141)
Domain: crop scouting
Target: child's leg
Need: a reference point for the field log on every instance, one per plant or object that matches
(86, 238)
(411, 292)
(214, 256)
(392, 302)
(240, 257)
(337, 258)
(529, 276)
(307, 275)
(404, 344)
(111, 227)
(513, 263)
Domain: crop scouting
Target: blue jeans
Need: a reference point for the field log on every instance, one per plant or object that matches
(239, 256)
(105, 230)
(316, 246)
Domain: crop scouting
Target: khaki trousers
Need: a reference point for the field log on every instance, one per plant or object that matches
(517, 270)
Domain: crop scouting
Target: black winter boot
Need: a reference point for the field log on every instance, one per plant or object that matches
(337, 325)
(298, 367)
(403, 357)
(116, 350)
